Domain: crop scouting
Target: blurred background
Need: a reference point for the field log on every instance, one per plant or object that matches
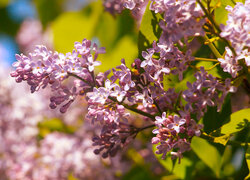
(59, 23)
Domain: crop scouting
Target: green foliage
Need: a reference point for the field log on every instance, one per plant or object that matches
(120, 51)
(247, 156)
(75, 26)
(140, 169)
(118, 37)
(208, 154)
(7, 26)
(50, 125)
(92, 23)
(221, 13)
(212, 119)
(222, 139)
(172, 81)
(180, 170)
(149, 30)
(4, 3)
(48, 10)
(238, 121)
(138, 172)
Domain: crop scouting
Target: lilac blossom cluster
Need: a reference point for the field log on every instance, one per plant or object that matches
(140, 90)
(43, 67)
(137, 7)
(181, 19)
(174, 132)
(206, 91)
(58, 154)
(236, 31)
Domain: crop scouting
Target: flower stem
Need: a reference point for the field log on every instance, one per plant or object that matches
(205, 59)
(209, 16)
(213, 48)
(78, 77)
(134, 109)
(113, 99)
(146, 127)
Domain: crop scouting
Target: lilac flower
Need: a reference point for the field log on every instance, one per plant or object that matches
(99, 95)
(229, 63)
(160, 121)
(63, 94)
(83, 48)
(117, 6)
(148, 58)
(124, 76)
(118, 93)
(112, 138)
(91, 63)
(168, 137)
(245, 54)
(194, 128)
(205, 91)
(146, 99)
(177, 123)
(181, 19)
(43, 67)
(237, 27)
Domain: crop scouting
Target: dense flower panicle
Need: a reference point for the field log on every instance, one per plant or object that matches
(144, 90)
(237, 31)
(113, 137)
(205, 91)
(174, 133)
(237, 27)
(137, 7)
(170, 60)
(56, 155)
(43, 67)
(230, 63)
(181, 19)
(142, 86)
(124, 76)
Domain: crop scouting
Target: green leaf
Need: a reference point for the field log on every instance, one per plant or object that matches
(71, 177)
(213, 120)
(48, 10)
(52, 124)
(75, 26)
(239, 120)
(125, 48)
(180, 170)
(172, 81)
(221, 13)
(138, 172)
(247, 155)
(222, 139)
(149, 29)
(4, 3)
(111, 30)
(207, 153)
(208, 65)
(49, 125)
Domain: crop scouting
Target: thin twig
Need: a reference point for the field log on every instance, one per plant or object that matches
(113, 99)
(205, 59)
